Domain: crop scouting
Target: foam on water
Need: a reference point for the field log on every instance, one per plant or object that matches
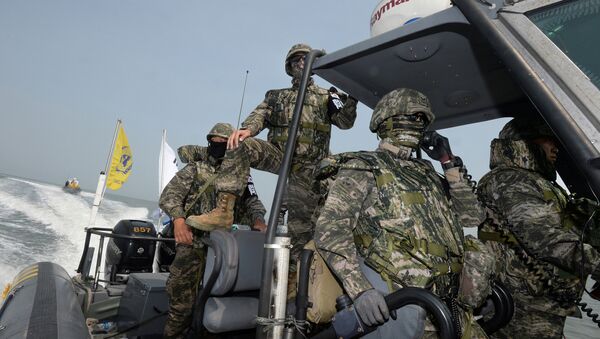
(40, 222)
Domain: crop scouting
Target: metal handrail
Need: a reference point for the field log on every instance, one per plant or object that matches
(105, 232)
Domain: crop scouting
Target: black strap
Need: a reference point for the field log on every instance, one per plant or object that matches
(43, 323)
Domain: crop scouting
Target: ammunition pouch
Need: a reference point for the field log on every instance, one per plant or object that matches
(280, 133)
(307, 135)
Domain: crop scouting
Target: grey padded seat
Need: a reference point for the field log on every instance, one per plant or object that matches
(240, 272)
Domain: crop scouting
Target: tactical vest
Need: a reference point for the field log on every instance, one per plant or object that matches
(542, 278)
(411, 235)
(315, 125)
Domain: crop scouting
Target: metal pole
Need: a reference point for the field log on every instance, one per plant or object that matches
(101, 188)
(282, 263)
(536, 89)
(86, 247)
(267, 268)
(98, 262)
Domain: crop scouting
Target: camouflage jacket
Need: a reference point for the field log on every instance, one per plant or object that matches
(180, 196)
(275, 113)
(392, 212)
(531, 229)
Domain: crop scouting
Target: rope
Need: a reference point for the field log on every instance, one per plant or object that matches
(268, 323)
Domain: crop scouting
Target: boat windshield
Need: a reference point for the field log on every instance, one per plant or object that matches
(574, 27)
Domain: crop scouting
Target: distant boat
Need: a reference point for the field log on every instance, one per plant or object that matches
(72, 186)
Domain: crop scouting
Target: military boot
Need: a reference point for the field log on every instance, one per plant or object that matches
(220, 217)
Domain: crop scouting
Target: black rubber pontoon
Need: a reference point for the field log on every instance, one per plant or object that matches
(42, 305)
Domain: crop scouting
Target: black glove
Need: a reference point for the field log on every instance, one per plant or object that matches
(371, 308)
(436, 146)
(335, 102)
(595, 293)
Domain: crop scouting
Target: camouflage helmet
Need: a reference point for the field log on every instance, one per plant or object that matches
(401, 101)
(221, 129)
(525, 129)
(295, 50)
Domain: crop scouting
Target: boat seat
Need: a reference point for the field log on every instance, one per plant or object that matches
(233, 301)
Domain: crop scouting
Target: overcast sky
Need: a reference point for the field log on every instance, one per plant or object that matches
(70, 69)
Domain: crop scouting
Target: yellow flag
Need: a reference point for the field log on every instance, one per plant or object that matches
(121, 162)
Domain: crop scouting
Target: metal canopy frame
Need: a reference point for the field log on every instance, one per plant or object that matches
(442, 56)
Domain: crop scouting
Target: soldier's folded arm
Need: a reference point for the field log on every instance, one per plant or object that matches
(172, 198)
(537, 225)
(465, 204)
(191, 153)
(334, 230)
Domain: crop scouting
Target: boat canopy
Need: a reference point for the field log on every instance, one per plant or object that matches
(441, 55)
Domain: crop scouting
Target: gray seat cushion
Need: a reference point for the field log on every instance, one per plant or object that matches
(229, 267)
(250, 247)
(241, 271)
(227, 314)
(242, 261)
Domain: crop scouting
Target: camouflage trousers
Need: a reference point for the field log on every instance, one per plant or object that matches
(301, 196)
(529, 323)
(182, 286)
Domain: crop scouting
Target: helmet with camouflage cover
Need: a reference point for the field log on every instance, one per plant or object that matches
(295, 50)
(221, 129)
(401, 102)
(525, 128)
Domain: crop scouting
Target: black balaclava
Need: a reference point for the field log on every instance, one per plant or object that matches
(217, 149)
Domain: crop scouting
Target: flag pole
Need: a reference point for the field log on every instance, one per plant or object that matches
(161, 167)
(101, 188)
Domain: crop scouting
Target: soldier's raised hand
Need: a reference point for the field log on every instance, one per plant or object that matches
(237, 136)
(436, 146)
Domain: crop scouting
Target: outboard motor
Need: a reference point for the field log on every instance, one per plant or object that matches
(166, 249)
(124, 256)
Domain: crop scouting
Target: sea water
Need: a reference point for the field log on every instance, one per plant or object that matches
(41, 222)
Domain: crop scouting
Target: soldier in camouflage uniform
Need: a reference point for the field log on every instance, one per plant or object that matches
(531, 225)
(191, 191)
(389, 215)
(322, 108)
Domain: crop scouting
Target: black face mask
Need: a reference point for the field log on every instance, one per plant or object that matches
(217, 149)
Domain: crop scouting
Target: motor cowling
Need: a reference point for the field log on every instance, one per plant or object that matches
(124, 256)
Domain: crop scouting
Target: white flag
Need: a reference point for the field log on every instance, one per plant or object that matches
(167, 164)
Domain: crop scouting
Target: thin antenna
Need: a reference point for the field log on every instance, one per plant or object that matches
(242, 103)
